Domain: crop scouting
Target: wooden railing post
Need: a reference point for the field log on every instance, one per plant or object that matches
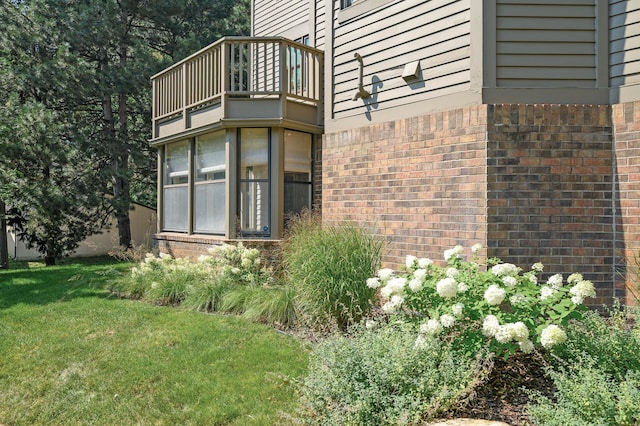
(225, 71)
(284, 79)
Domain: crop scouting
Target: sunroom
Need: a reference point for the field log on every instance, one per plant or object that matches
(237, 126)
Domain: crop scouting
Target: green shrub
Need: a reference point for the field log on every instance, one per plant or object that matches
(586, 395)
(327, 267)
(499, 307)
(380, 376)
(610, 341)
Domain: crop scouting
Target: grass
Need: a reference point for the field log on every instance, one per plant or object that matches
(72, 354)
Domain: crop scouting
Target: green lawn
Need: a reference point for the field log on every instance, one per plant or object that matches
(72, 354)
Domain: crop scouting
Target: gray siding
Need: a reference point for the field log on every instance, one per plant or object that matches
(624, 42)
(320, 24)
(546, 43)
(281, 18)
(436, 32)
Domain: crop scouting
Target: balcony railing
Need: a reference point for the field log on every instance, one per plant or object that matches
(237, 68)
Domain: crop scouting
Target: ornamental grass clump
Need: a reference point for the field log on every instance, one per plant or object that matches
(326, 265)
(500, 308)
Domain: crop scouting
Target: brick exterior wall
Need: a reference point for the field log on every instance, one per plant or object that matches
(626, 122)
(420, 183)
(550, 190)
(192, 246)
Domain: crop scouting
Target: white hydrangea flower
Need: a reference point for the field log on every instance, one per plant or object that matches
(425, 262)
(451, 272)
(509, 281)
(203, 258)
(490, 325)
(546, 292)
(526, 346)
(385, 274)
(494, 295)
(415, 285)
(503, 334)
(555, 281)
(420, 274)
(397, 284)
(431, 327)
(386, 292)
(457, 309)
(552, 335)
(410, 261)
(532, 278)
(476, 248)
(453, 252)
(519, 331)
(370, 324)
(517, 299)
(373, 282)
(503, 269)
(447, 288)
(394, 304)
(537, 267)
(462, 287)
(447, 320)
(581, 290)
(574, 278)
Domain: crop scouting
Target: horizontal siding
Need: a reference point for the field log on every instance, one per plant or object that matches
(435, 32)
(276, 17)
(320, 24)
(546, 43)
(624, 42)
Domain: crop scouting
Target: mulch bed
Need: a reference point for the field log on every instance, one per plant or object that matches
(503, 397)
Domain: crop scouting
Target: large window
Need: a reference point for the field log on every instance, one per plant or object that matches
(176, 186)
(253, 182)
(297, 172)
(210, 176)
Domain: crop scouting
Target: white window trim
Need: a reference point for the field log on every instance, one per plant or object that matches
(359, 8)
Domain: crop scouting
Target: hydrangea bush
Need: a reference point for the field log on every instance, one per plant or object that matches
(499, 305)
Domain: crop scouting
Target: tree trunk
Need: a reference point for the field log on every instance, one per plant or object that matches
(4, 250)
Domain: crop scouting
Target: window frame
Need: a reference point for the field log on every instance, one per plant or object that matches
(241, 181)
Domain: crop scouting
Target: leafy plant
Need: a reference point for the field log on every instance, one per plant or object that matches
(327, 266)
(380, 376)
(587, 395)
(501, 307)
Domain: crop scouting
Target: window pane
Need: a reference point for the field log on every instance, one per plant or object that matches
(175, 208)
(254, 207)
(297, 171)
(210, 157)
(210, 207)
(297, 197)
(176, 167)
(297, 153)
(254, 154)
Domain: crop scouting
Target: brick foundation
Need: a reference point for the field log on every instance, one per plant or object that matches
(530, 182)
(420, 183)
(550, 192)
(193, 246)
(626, 122)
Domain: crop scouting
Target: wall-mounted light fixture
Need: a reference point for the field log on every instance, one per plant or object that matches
(361, 93)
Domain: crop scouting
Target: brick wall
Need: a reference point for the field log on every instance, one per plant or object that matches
(626, 122)
(550, 190)
(193, 246)
(420, 182)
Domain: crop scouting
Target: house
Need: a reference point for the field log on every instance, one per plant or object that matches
(143, 226)
(430, 122)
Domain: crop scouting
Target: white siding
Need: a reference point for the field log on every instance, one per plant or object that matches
(287, 18)
(546, 43)
(435, 32)
(320, 24)
(624, 42)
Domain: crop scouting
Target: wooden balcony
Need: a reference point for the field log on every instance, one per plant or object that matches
(236, 82)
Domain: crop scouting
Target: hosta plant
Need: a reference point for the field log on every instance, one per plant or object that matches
(499, 306)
